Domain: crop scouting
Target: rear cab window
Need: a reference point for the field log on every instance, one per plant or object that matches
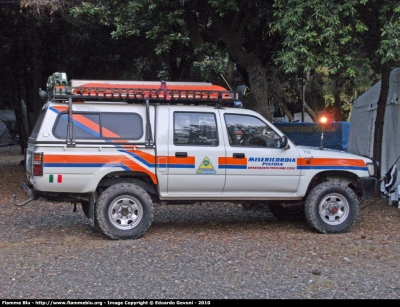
(101, 126)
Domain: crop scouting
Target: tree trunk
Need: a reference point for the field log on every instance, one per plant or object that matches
(230, 32)
(336, 111)
(194, 31)
(301, 90)
(310, 112)
(286, 111)
(257, 74)
(380, 112)
(229, 71)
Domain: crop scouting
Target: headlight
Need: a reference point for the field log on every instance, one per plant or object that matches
(371, 169)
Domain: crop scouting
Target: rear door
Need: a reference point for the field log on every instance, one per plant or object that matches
(196, 143)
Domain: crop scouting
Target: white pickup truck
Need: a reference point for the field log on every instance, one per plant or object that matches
(118, 147)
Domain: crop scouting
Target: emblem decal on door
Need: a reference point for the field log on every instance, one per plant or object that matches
(206, 167)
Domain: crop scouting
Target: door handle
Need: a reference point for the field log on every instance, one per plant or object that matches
(181, 154)
(239, 155)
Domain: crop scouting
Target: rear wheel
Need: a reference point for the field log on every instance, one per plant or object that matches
(331, 207)
(124, 211)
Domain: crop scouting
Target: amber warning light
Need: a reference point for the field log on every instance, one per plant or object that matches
(323, 119)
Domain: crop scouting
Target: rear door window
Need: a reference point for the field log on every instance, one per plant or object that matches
(195, 128)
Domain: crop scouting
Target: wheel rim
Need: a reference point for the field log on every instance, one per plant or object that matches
(125, 212)
(334, 209)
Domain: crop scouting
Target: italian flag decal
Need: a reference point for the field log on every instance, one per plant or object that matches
(55, 178)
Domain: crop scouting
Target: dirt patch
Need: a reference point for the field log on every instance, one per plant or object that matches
(203, 251)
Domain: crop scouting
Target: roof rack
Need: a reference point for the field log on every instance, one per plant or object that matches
(136, 91)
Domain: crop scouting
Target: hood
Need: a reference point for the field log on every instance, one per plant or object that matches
(307, 151)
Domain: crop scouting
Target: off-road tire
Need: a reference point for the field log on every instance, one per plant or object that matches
(124, 211)
(287, 212)
(331, 207)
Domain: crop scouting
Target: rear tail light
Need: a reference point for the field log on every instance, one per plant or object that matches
(37, 164)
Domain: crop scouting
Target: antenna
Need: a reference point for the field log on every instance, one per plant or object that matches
(321, 145)
(226, 82)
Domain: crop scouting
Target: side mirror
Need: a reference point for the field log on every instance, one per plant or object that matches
(285, 142)
(42, 94)
(241, 89)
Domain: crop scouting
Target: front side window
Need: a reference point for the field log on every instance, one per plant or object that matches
(192, 128)
(250, 131)
(101, 126)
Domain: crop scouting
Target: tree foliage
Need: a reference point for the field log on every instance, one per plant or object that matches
(37, 43)
(204, 36)
(318, 33)
(309, 53)
(339, 35)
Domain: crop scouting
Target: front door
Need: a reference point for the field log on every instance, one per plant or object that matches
(256, 165)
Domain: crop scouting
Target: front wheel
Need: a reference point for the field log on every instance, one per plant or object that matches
(331, 207)
(124, 211)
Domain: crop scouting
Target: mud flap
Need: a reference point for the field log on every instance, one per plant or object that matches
(92, 202)
(369, 186)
